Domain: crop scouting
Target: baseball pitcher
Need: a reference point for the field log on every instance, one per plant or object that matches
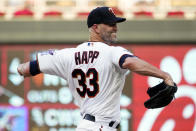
(96, 71)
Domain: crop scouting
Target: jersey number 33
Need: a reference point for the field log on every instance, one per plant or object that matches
(81, 76)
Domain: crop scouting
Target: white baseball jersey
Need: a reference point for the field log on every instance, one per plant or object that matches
(93, 73)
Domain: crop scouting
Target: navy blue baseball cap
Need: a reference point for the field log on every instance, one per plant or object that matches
(103, 15)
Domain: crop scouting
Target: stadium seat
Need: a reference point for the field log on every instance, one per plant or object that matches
(85, 14)
(2, 14)
(82, 14)
(23, 12)
(53, 13)
(143, 14)
(175, 14)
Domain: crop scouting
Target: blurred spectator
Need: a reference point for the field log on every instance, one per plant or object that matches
(80, 8)
(15, 2)
(21, 3)
(144, 1)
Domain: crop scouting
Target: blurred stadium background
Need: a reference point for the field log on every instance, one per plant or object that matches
(162, 32)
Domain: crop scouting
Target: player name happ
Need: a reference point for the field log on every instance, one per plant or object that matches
(85, 57)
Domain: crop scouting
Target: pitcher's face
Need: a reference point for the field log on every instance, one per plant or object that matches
(108, 32)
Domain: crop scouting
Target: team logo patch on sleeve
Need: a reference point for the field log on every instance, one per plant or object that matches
(48, 52)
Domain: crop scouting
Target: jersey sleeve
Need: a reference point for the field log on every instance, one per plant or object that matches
(119, 54)
(54, 62)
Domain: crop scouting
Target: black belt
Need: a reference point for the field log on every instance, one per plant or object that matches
(92, 118)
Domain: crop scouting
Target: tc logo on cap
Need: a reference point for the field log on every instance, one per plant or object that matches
(111, 10)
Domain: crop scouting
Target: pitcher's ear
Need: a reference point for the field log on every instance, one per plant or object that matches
(95, 27)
